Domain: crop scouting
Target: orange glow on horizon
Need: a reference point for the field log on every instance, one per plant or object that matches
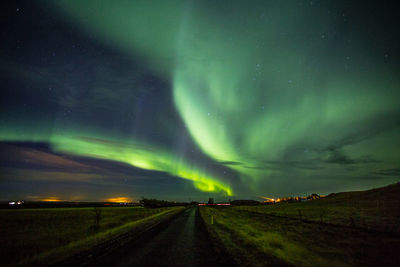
(50, 199)
(118, 199)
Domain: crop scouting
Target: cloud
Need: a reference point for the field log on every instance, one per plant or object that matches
(39, 157)
(334, 155)
(30, 161)
(310, 164)
(236, 163)
(371, 127)
(257, 167)
(337, 157)
(114, 143)
(388, 172)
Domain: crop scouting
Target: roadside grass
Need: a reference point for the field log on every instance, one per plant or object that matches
(376, 209)
(347, 235)
(251, 243)
(45, 235)
(256, 239)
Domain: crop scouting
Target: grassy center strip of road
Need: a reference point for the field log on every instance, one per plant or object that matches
(108, 239)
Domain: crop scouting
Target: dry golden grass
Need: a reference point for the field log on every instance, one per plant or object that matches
(39, 233)
(276, 235)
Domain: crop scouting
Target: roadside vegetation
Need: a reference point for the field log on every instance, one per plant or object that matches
(50, 234)
(376, 209)
(345, 229)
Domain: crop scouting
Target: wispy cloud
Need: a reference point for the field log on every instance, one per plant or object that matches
(389, 172)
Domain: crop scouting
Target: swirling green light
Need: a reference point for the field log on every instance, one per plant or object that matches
(141, 156)
(252, 82)
(150, 159)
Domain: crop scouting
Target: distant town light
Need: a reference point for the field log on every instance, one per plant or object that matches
(19, 202)
(120, 200)
(217, 204)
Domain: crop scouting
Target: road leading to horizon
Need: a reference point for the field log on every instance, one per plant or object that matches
(183, 242)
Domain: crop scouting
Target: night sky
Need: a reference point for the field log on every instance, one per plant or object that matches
(185, 100)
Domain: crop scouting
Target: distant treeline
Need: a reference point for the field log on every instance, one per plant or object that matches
(50, 204)
(155, 203)
(147, 203)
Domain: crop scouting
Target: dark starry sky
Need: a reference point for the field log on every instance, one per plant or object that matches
(190, 99)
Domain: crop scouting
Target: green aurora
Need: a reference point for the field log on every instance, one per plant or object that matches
(278, 92)
(141, 156)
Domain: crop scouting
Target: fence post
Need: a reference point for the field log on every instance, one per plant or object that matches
(352, 224)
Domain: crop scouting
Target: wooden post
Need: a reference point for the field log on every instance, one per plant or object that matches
(352, 224)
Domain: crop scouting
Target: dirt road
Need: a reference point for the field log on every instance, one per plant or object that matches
(183, 242)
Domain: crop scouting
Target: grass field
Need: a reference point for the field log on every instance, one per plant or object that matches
(346, 229)
(376, 209)
(42, 233)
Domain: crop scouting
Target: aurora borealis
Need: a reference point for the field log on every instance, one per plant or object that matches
(189, 99)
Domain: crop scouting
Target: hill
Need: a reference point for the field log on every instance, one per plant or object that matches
(360, 228)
